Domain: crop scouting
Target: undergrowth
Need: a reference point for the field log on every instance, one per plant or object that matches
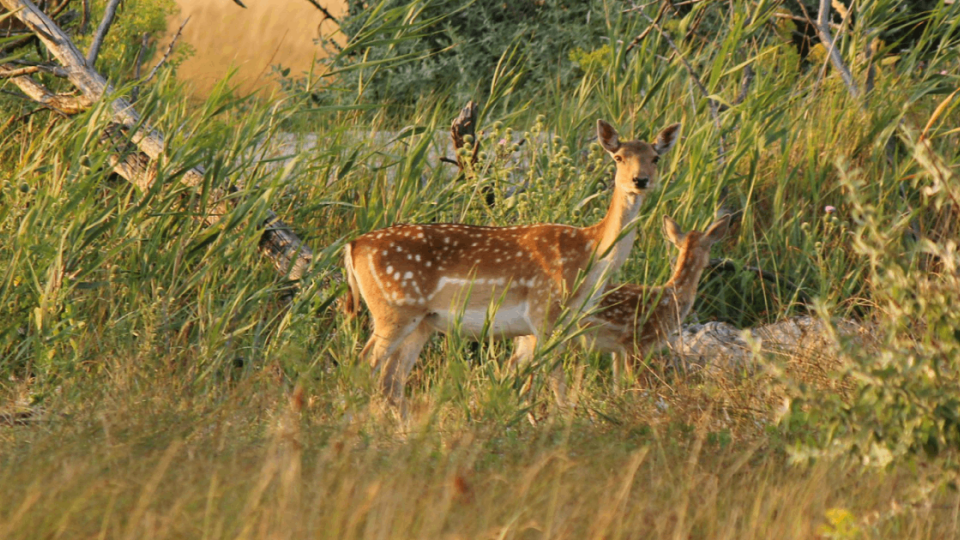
(180, 387)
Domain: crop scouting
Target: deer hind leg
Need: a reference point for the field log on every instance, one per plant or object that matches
(622, 371)
(393, 378)
(388, 334)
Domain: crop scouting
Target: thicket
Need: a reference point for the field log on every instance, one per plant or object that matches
(459, 46)
(99, 275)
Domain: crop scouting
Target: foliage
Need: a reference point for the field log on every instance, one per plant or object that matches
(145, 336)
(134, 19)
(465, 40)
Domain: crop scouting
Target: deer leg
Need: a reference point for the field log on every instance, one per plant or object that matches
(393, 378)
(616, 365)
(523, 347)
(387, 337)
(558, 382)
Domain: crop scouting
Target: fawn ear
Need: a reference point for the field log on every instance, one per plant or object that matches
(608, 137)
(718, 229)
(667, 137)
(672, 231)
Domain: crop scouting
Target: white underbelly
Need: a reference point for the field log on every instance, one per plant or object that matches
(505, 322)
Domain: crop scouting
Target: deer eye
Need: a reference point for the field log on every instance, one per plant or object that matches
(618, 159)
(656, 159)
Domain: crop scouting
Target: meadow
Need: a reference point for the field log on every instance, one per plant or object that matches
(160, 379)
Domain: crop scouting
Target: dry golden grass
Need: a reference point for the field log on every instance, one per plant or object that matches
(267, 33)
(145, 455)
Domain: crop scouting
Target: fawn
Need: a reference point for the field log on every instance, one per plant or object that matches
(510, 281)
(637, 319)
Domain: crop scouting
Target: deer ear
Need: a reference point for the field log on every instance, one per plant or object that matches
(608, 137)
(718, 229)
(667, 138)
(672, 231)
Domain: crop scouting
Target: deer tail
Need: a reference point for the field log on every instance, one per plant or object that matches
(351, 305)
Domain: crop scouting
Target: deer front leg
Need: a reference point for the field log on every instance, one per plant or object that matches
(523, 348)
(616, 364)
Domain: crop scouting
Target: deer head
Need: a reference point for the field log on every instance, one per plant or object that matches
(636, 160)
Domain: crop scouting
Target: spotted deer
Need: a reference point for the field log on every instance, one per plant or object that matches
(507, 281)
(636, 319)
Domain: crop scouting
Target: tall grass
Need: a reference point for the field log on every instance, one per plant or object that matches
(161, 354)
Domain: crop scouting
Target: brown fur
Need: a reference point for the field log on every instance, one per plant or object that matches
(634, 319)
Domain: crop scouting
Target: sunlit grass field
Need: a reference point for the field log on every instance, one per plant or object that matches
(161, 380)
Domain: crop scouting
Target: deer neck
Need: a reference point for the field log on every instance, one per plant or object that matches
(613, 246)
(685, 279)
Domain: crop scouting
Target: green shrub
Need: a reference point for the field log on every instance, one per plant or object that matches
(458, 52)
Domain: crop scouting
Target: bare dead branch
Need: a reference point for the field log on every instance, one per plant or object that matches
(138, 65)
(61, 103)
(59, 9)
(872, 49)
(102, 33)
(745, 84)
(18, 72)
(287, 252)
(325, 11)
(463, 125)
(636, 41)
(85, 18)
(823, 29)
(166, 54)
(713, 104)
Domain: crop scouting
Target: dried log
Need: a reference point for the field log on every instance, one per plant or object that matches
(463, 125)
(61, 103)
(288, 253)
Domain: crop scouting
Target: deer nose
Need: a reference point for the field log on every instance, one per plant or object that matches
(641, 182)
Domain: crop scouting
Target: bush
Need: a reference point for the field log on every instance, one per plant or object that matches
(459, 49)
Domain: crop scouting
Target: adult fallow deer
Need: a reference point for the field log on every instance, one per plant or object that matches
(508, 281)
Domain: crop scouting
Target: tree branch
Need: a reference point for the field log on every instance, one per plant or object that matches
(61, 103)
(656, 20)
(138, 65)
(169, 50)
(287, 252)
(102, 33)
(7, 71)
(823, 30)
(85, 18)
(463, 125)
(326, 13)
(714, 106)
